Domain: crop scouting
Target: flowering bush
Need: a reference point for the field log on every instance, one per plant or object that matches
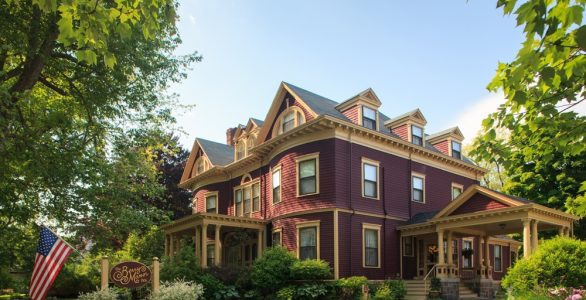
(178, 290)
(105, 294)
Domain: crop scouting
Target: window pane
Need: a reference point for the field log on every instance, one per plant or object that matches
(370, 189)
(288, 122)
(308, 243)
(418, 195)
(307, 186)
(368, 113)
(371, 247)
(370, 172)
(456, 192)
(255, 197)
(418, 183)
(307, 168)
(211, 204)
(417, 131)
(456, 146)
(276, 178)
(370, 238)
(277, 194)
(276, 239)
(247, 195)
(368, 123)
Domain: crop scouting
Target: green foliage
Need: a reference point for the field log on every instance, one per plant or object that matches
(311, 291)
(286, 293)
(147, 245)
(436, 284)
(383, 293)
(543, 152)
(183, 265)
(557, 262)
(105, 294)
(351, 287)
(311, 269)
(271, 271)
(179, 290)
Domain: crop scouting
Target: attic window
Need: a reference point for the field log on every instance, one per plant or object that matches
(240, 150)
(201, 165)
(290, 118)
(416, 135)
(456, 150)
(369, 118)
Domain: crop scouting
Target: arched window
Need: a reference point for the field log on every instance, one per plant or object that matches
(240, 150)
(289, 119)
(251, 141)
(201, 165)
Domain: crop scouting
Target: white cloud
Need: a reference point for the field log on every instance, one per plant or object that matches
(470, 119)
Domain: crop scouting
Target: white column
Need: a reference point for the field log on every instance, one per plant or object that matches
(204, 245)
(218, 246)
(259, 243)
(534, 236)
(487, 257)
(440, 243)
(526, 237)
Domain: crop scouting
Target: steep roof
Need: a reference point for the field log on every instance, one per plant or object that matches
(258, 122)
(320, 105)
(219, 154)
(455, 130)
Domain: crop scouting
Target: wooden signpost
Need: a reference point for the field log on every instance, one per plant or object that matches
(130, 274)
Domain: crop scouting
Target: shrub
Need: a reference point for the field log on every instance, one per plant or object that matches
(351, 287)
(105, 294)
(272, 270)
(397, 287)
(184, 265)
(557, 262)
(286, 293)
(178, 290)
(311, 269)
(383, 293)
(311, 291)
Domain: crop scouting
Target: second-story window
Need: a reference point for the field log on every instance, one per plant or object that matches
(370, 179)
(256, 197)
(456, 150)
(238, 203)
(247, 196)
(417, 186)
(416, 135)
(212, 203)
(276, 184)
(369, 118)
(307, 174)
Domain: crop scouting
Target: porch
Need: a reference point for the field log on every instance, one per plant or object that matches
(219, 240)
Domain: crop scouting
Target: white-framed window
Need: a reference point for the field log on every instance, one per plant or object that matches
(457, 190)
(238, 202)
(371, 245)
(247, 197)
(288, 119)
(456, 150)
(498, 258)
(416, 135)
(277, 237)
(211, 202)
(276, 185)
(307, 174)
(370, 178)
(467, 260)
(368, 117)
(408, 246)
(256, 197)
(418, 188)
(201, 165)
(240, 150)
(308, 240)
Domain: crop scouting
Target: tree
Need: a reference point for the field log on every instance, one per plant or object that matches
(82, 90)
(544, 154)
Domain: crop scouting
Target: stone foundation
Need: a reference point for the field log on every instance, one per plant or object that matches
(450, 288)
(486, 288)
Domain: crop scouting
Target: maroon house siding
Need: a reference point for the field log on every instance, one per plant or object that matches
(443, 147)
(479, 202)
(402, 131)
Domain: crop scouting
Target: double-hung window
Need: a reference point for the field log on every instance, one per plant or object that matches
(369, 118)
(418, 188)
(498, 258)
(256, 197)
(247, 199)
(307, 174)
(416, 135)
(456, 150)
(238, 202)
(370, 179)
(288, 122)
(277, 238)
(308, 242)
(247, 196)
(371, 245)
(212, 203)
(276, 185)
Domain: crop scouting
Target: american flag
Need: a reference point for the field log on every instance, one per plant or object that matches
(52, 252)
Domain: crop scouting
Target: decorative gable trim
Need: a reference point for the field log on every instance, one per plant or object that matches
(187, 171)
(414, 116)
(452, 133)
(367, 97)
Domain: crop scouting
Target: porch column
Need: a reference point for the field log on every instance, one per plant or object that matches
(218, 246)
(259, 243)
(171, 245)
(204, 245)
(526, 237)
(166, 245)
(487, 257)
(450, 249)
(478, 257)
(534, 236)
(441, 264)
(197, 243)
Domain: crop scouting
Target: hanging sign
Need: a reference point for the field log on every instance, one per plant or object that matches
(130, 274)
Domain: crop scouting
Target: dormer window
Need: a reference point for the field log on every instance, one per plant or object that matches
(416, 135)
(290, 118)
(240, 150)
(456, 150)
(368, 117)
(201, 165)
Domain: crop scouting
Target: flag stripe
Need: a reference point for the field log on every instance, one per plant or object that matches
(45, 264)
(53, 273)
(49, 264)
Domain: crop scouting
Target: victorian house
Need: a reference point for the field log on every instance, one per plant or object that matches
(373, 195)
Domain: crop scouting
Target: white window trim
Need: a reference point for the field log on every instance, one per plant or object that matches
(205, 162)
(361, 113)
(209, 194)
(307, 224)
(376, 227)
(243, 186)
(456, 185)
(303, 158)
(410, 133)
(277, 129)
(422, 176)
(273, 170)
(377, 165)
(450, 140)
(280, 231)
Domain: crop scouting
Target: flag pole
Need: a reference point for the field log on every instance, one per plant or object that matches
(59, 237)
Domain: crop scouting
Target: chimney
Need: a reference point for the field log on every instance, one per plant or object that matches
(230, 136)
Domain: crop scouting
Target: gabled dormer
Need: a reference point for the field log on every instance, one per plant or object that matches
(362, 109)
(448, 141)
(409, 127)
(244, 137)
(204, 156)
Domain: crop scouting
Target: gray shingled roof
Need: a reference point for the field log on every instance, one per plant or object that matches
(320, 105)
(403, 115)
(431, 136)
(422, 217)
(219, 154)
(257, 121)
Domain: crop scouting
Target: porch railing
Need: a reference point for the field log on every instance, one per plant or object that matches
(431, 271)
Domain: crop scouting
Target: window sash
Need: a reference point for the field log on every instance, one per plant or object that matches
(256, 197)
(276, 238)
(211, 203)
(418, 183)
(456, 191)
(211, 251)
(498, 266)
(456, 150)
(368, 117)
(370, 180)
(417, 135)
(288, 122)
(238, 201)
(307, 177)
(308, 243)
(247, 196)
(276, 184)
(371, 248)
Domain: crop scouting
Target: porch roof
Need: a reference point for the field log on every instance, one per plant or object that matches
(212, 219)
(480, 210)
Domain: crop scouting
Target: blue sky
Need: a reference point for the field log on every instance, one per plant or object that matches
(435, 55)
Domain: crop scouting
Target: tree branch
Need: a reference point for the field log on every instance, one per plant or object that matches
(55, 88)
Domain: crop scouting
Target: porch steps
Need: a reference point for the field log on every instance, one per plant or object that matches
(416, 290)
